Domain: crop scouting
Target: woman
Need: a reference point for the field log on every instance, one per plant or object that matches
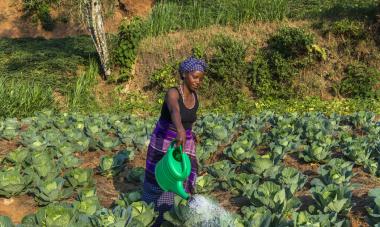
(178, 113)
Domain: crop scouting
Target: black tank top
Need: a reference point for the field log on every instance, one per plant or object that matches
(188, 116)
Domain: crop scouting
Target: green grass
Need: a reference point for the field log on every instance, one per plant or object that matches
(173, 15)
(51, 62)
(23, 98)
(81, 97)
(334, 9)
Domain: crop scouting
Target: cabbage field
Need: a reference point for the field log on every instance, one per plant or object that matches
(267, 170)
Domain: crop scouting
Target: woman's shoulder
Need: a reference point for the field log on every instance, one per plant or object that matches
(172, 93)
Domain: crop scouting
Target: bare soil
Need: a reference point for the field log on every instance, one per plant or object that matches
(12, 25)
(17, 207)
(7, 146)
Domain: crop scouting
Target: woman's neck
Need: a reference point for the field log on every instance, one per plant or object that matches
(186, 91)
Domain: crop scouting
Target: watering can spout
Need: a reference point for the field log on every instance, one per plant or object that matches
(172, 170)
(179, 190)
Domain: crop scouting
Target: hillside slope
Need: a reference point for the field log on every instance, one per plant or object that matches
(12, 25)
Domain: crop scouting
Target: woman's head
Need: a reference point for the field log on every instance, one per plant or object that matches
(192, 71)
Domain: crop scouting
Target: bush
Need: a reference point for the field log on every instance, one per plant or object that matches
(165, 77)
(45, 18)
(40, 10)
(291, 42)
(228, 62)
(282, 69)
(260, 77)
(125, 55)
(360, 81)
(349, 29)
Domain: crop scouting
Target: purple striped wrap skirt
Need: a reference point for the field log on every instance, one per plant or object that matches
(163, 134)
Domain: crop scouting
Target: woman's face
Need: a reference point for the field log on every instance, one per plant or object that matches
(194, 80)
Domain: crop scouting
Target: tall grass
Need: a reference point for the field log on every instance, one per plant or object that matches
(81, 96)
(22, 98)
(171, 15)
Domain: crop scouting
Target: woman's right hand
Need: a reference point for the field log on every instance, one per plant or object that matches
(181, 138)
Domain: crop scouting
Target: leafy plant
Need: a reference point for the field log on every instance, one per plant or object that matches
(205, 184)
(273, 197)
(106, 217)
(349, 29)
(13, 181)
(221, 170)
(17, 156)
(42, 166)
(55, 214)
(227, 64)
(241, 183)
(112, 165)
(358, 150)
(304, 219)
(87, 203)
(359, 81)
(291, 42)
(182, 214)
(130, 35)
(108, 142)
(316, 152)
(165, 78)
(5, 221)
(143, 213)
(336, 171)
(260, 77)
(333, 198)
(126, 199)
(291, 178)
(374, 210)
(261, 216)
(136, 175)
(51, 191)
(261, 167)
(79, 178)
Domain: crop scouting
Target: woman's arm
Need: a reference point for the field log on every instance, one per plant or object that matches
(171, 98)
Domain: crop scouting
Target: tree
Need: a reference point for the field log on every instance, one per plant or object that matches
(95, 25)
(90, 14)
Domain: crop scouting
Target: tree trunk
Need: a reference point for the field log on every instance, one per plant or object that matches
(94, 19)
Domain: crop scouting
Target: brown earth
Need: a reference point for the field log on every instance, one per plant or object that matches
(17, 207)
(6, 146)
(12, 25)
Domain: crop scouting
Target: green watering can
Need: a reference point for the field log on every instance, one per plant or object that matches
(172, 170)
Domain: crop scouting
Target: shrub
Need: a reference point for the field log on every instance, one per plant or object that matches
(291, 42)
(282, 69)
(360, 81)
(228, 62)
(349, 29)
(260, 77)
(40, 10)
(45, 18)
(125, 55)
(165, 77)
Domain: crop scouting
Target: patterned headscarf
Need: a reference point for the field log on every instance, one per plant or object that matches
(192, 64)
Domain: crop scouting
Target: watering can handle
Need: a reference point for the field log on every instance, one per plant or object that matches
(184, 164)
(172, 144)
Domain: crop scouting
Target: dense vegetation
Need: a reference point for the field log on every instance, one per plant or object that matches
(253, 163)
